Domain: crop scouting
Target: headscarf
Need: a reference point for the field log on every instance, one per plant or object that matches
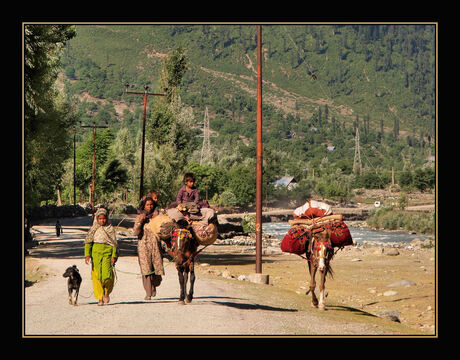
(102, 234)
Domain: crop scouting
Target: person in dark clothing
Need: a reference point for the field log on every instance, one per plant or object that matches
(59, 230)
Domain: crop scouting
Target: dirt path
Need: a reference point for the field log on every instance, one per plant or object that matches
(221, 307)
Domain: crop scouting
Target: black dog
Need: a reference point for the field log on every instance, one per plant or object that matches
(73, 283)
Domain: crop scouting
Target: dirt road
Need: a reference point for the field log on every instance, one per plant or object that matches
(221, 307)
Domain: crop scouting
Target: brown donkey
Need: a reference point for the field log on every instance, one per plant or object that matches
(319, 255)
(183, 250)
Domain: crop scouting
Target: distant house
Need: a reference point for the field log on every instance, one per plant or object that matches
(287, 181)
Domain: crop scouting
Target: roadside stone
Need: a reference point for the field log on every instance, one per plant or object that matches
(402, 283)
(393, 315)
(390, 293)
(392, 252)
(226, 274)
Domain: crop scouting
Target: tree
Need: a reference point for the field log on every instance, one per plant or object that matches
(171, 120)
(114, 176)
(46, 116)
(423, 179)
(405, 179)
(84, 156)
(242, 183)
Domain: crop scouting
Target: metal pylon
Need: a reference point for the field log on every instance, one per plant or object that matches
(206, 147)
(357, 161)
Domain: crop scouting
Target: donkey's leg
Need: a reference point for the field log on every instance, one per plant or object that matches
(314, 300)
(192, 282)
(185, 270)
(180, 273)
(322, 288)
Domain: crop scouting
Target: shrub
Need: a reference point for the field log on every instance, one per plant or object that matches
(227, 198)
(249, 223)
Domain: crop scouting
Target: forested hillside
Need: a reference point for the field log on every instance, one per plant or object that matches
(321, 83)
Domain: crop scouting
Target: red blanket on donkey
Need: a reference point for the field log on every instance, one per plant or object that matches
(340, 235)
(295, 240)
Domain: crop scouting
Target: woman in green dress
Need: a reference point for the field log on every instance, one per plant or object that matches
(101, 248)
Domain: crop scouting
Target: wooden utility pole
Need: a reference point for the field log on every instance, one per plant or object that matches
(145, 95)
(74, 131)
(259, 155)
(94, 127)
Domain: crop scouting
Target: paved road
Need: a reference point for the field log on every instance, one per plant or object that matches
(220, 307)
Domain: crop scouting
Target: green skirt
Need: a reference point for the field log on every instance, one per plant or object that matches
(101, 272)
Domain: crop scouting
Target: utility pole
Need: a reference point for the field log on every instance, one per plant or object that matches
(259, 155)
(145, 95)
(94, 127)
(74, 131)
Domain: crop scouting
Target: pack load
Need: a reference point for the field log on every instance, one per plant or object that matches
(162, 226)
(312, 209)
(205, 234)
(314, 216)
(296, 240)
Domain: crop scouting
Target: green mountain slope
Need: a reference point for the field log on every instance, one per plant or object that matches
(320, 83)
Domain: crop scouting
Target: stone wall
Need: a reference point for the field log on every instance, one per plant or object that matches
(54, 211)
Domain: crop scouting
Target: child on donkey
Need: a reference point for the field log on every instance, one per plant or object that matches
(188, 206)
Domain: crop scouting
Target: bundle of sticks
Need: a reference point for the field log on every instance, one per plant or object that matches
(318, 221)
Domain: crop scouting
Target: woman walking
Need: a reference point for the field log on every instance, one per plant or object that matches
(149, 250)
(101, 248)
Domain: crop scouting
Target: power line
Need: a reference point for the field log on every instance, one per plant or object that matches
(313, 75)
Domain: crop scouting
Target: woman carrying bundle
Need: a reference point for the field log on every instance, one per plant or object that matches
(149, 250)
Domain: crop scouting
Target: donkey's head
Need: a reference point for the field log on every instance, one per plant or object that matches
(322, 246)
(183, 245)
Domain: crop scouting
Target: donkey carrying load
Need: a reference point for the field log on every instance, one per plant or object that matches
(182, 237)
(316, 238)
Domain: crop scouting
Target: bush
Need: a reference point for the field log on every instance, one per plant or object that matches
(249, 223)
(227, 198)
(242, 183)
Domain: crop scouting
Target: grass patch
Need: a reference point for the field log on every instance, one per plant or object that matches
(391, 219)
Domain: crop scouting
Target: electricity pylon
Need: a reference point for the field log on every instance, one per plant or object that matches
(206, 147)
(357, 161)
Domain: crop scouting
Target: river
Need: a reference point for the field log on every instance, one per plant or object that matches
(359, 234)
